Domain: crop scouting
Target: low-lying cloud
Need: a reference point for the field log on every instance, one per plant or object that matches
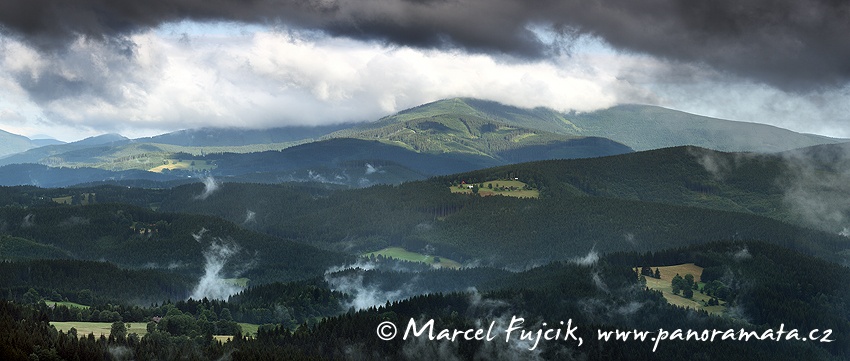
(210, 186)
(213, 284)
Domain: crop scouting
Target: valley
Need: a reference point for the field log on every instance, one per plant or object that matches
(299, 242)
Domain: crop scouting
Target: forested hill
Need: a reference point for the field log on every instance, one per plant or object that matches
(643, 201)
(799, 187)
(493, 230)
(140, 238)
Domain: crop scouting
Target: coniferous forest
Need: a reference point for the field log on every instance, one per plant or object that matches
(311, 271)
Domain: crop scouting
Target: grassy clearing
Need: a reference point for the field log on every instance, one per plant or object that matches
(249, 329)
(62, 200)
(83, 198)
(500, 188)
(521, 137)
(239, 282)
(405, 255)
(100, 328)
(698, 302)
(183, 164)
(64, 303)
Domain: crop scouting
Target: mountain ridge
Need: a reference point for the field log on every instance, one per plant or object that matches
(641, 127)
(471, 133)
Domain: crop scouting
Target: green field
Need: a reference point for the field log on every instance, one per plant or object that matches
(405, 255)
(140, 328)
(493, 188)
(698, 302)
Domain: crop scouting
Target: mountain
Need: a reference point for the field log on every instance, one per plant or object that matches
(345, 161)
(648, 127)
(349, 159)
(44, 154)
(103, 139)
(219, 137)
(640, 127)
(452, 129)
(44, 176)
(13, 143)
(40, 142)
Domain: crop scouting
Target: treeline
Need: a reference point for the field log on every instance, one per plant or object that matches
(287, 304)
(26, 334)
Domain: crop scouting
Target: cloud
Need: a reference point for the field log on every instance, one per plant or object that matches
(250, 217)
(816, 182)
(260, 79)
(210, 186)
(363, 295)
(588, 260)
(212, 284)
(789, 44)
(115, 66)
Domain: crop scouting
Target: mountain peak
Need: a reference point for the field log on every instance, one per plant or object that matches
(11, 143)
(102, 139)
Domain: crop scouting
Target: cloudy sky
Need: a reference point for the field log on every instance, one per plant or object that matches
(75, 69)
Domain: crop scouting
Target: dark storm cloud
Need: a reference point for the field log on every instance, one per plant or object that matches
(791, 44)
